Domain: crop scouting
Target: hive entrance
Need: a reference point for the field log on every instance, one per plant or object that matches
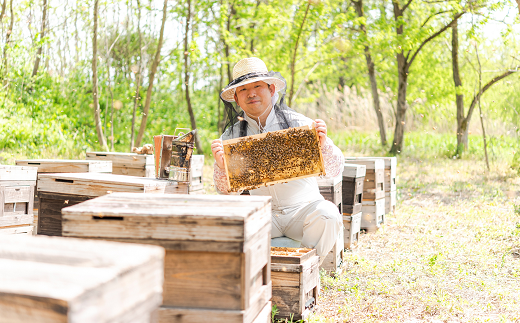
(272, 157)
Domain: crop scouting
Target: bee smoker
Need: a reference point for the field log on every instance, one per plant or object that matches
(173, 157)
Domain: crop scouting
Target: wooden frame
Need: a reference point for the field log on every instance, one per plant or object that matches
(67, 165)
(284, 172)
(296, 282)
(352, 194)
(390, 202)
(217, 248)
(331, 190)
(71, 280)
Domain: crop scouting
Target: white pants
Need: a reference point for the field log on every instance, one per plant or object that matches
(316, 225)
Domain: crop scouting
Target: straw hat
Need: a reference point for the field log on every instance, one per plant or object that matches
(254, 66)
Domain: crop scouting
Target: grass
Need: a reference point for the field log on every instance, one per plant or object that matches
(449, 253)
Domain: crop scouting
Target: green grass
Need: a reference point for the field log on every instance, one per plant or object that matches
(450, 253)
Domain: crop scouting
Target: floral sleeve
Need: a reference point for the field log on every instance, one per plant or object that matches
(220, 179)
(332, 158)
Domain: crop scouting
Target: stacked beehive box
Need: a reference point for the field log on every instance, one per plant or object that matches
(217, 265)
(373, 204)
(330, 189)
(352, 192)
(62, 166)
(70, 280)
(17, 185)
(127, 163)
(296, 282)
(196, 182)
(57, 191)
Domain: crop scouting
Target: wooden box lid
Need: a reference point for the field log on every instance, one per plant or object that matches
(178, 217)
(325, 181)
(45, 279)
(354, 171)
(370, 163)
(68, 166)
(17, 173)
(130, 160)
(96, 184)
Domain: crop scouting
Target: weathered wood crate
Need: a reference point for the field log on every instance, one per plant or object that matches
(374, 185)
(352, 188)
(57, 191)
(17, 184)
(351, 230)
(71, 280)
(334, 260)
(373, 215)
(127, 163)
(217, 264)
(296, 282)
(331, 190)
(196, 183)
(68, 166)
(273, 157)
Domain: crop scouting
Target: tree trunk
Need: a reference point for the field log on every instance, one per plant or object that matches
(226, 46)
(462, 129)
(8, 35)
(42, 35)
(97, 111)
(480, 108)
(293, 60)
(155, 64)
(372, 75)
(137, 76)
(187, 78)
(4, 6)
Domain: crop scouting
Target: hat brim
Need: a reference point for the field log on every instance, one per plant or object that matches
(228, 94)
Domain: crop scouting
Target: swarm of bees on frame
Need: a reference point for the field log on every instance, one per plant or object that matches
(278, 156)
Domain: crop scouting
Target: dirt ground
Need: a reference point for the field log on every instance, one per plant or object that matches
(450, 253)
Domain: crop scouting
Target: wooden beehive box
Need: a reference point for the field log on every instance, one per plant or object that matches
(373, 215)
(331, 190)
(390, 201)
(17, 184)
(296, 282)
(57, 191)
(217, 248)
(68, 166)
(334, 260)
(374, 185)
(126, 163)
(272, 157)
(352, 188)
(351, 230)
(46, 279)
(196, 183)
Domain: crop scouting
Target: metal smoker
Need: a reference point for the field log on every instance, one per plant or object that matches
(173, 157)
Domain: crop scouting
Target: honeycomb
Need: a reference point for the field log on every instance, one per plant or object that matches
(277, 156)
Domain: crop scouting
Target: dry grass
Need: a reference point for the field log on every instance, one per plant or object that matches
(449, 254)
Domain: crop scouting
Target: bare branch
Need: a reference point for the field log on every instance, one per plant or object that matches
(430, 17)
(427, 40)
(406, 5)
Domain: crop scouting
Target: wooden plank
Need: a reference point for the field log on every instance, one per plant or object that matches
(352, 191)
(190, 315)
(390, 202)
(24, 230)
(67, 165)
(94, 184)
(49, 215)
(17, 173)
(129, 160)
(291, 255)
(353, 170)
(13, 194)
(352, 228)
(84, 281)
(293, 154)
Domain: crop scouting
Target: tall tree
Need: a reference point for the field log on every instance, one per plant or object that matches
(463, 120)
(7, 37)
(137, 71)
(295, 51)
(42, 36)
(187, 77)
(97, 110)
(151, 77)
(405, 61)
(371, 74)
